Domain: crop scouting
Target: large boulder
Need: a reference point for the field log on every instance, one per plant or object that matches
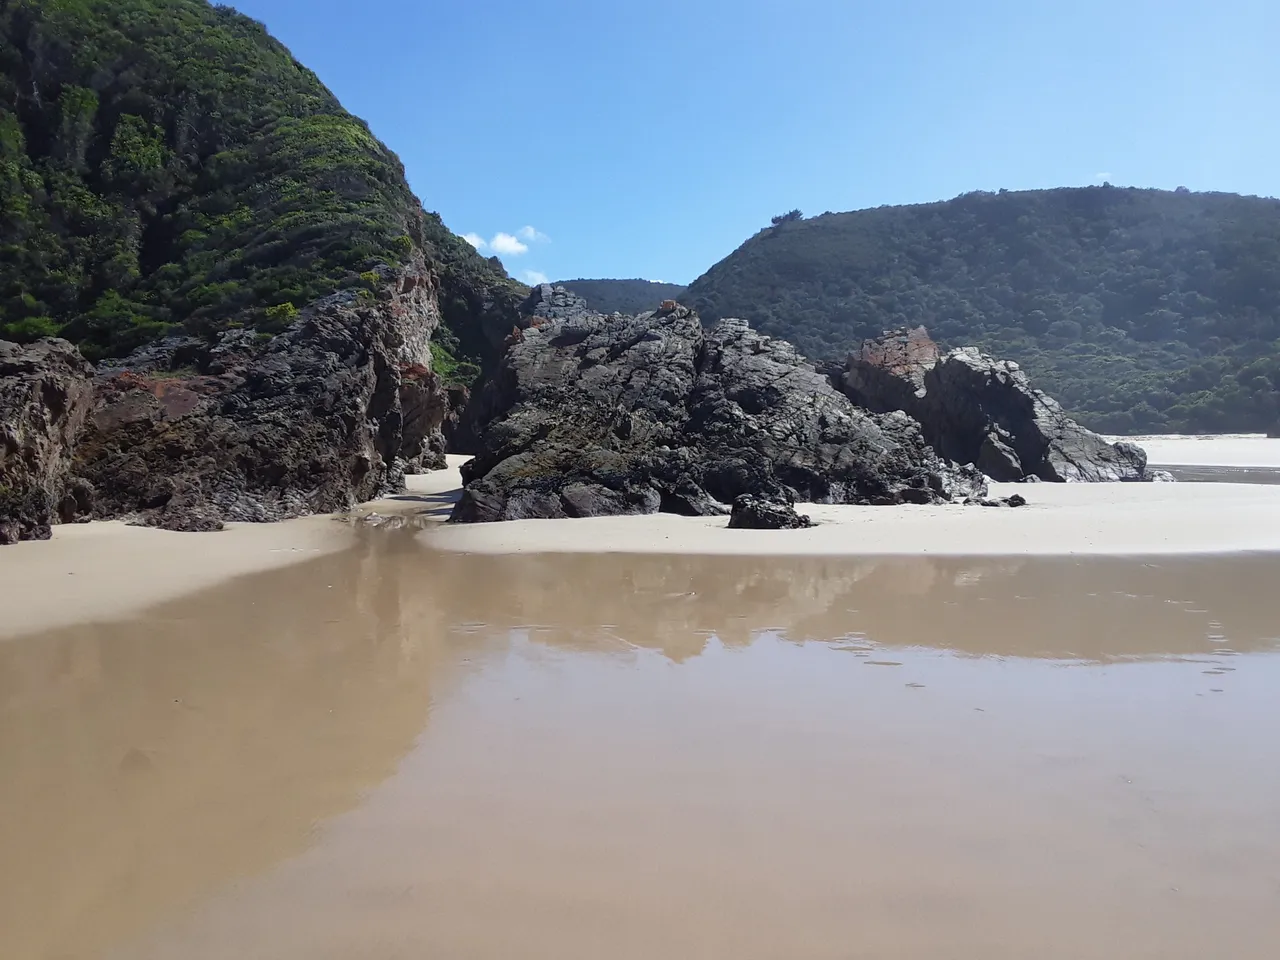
(752, 513)
(590, 415)
(46, 396)
(978, 410)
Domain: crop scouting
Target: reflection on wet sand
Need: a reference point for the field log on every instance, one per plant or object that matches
(144, 763)
(394, 750)
(1096, 609)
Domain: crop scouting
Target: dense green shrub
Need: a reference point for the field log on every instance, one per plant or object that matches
(166, 162)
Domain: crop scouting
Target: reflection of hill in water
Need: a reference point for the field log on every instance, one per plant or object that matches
(1093, 609)
(148, 763)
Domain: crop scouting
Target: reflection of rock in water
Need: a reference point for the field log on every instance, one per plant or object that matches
(1096, 609)
(146, 764)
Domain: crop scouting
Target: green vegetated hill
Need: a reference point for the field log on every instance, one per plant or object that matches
(166, 163)
(1141, 310)
(623, 296)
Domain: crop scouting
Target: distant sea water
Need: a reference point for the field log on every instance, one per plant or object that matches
(1214, 458)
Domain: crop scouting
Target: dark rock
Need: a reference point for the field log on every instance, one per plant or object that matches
(46, 396)
(752, 513)
(979, 410)
(426, 404)
(186, 435)
(590, 415)
(1017, 500)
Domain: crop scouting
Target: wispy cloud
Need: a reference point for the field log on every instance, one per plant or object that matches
(532, 235)
(475, 240)
(535, 277)
(1100, 177)
(508, 245)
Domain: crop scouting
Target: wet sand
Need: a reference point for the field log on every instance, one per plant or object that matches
(109, 569)
(388, 751)
(1217, 474)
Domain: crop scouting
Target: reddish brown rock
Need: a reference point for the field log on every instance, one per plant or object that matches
(45, 399)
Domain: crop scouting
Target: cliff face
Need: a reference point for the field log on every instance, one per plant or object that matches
(45, 399)
(280, 327)
(185, 435)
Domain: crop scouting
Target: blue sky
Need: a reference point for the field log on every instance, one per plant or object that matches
(624, 138)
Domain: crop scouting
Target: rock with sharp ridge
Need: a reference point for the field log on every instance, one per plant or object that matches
(978, 410)
(590, 414)
(46, 397)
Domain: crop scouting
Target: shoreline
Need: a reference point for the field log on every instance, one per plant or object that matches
(107, 569)
(1073, 519)
(1252, 450)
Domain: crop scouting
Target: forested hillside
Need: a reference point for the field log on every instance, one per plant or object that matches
(623, 296)
(166, 162)
(1142, 310)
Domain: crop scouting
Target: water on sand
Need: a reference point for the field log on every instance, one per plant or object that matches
(394, 753)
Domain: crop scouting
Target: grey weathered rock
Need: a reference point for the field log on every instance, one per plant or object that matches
(186, 435)
(591, 415)
(979, 410)
(753, 513)
(1017, 500)
(45, 398)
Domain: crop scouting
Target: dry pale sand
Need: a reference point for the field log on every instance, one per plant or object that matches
(1226, 450)
(108, 570)
(1060, 519)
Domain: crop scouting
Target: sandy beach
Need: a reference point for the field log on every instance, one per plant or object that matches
(107, 570)
(104, 570)
(1059, 519)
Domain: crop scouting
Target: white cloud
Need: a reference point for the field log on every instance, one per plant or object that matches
(1100, 177)
(505, 243)
(532, 235)
(535, 277)
(508, 244)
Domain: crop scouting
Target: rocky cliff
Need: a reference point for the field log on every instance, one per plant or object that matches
(591, 415)
(45, 400)
(187, 433)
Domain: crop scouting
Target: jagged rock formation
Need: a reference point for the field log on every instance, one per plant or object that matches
(979, 410)
(752, 513)
(186, 435)
(590, 415)
(45, 398)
